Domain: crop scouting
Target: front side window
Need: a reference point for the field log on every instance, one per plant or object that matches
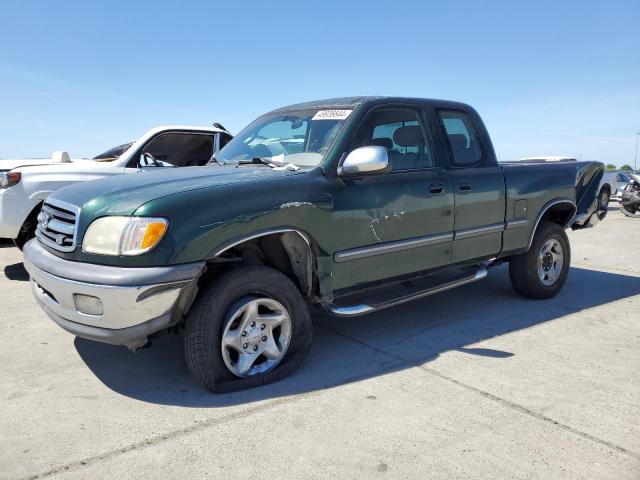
(463, 140)
(301, 138)
(180, 149)
(402, 133)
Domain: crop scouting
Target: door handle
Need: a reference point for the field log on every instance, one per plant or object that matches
(464, 186)
(436, 188)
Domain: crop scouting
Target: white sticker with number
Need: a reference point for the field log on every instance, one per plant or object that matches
(331, 115)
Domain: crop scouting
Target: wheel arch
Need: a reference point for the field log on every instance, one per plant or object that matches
(605, 186)
(560, 211)
(272, 244)
(33, 213)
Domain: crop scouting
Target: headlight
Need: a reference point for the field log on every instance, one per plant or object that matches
(124, 235)
(8, 179)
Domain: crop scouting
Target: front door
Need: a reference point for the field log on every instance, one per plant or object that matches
(479, 189)
(399, 222)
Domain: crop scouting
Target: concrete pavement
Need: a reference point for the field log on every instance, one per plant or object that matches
(473, 383)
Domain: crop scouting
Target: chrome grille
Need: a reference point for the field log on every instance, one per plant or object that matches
(57, 222)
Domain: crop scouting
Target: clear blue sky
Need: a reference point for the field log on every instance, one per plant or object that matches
(548, 77)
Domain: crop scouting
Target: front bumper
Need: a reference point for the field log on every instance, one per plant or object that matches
(136, 301)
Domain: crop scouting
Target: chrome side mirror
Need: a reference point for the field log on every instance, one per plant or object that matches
(365, 161)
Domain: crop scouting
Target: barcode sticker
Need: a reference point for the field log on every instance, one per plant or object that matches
(331, 114)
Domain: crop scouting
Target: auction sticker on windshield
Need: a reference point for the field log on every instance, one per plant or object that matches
(331, 115)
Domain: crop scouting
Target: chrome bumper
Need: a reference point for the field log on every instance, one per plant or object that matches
(136, 301)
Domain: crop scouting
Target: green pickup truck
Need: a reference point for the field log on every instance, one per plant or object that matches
(351, 205)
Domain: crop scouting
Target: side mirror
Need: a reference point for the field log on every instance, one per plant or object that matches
(366, 161)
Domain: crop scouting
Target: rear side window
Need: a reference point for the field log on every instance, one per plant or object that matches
(465, 146)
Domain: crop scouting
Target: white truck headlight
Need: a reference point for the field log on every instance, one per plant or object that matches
(123, 235)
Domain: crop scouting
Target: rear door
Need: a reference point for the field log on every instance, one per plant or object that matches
(478, 185)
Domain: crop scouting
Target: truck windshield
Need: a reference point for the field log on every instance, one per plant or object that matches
(113, 153)
(300, 137)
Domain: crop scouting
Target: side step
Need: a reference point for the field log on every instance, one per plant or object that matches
(387, 296)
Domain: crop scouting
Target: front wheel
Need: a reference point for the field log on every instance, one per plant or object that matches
(541, 272)
(249, 328)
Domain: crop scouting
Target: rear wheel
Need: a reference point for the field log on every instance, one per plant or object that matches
(249, 328)
(541, 272)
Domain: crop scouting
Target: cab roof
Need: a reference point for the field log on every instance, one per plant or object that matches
(352, 102)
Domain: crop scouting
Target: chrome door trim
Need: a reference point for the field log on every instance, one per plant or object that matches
(389, 247)
(517, 223)
(477, 231)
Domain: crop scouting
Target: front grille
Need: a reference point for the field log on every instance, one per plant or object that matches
(57, 225)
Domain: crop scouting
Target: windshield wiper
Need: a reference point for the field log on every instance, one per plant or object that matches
(271, 163)
(256, 161)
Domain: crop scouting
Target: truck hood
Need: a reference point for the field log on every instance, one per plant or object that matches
(10, 164)
(75, 166)
(124, 194)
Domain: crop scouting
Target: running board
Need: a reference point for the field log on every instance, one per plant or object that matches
(390, 296)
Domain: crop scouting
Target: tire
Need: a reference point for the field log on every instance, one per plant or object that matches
(627, 213)
(27, 232)
(603, 202)
(213, 315)
(524, 268)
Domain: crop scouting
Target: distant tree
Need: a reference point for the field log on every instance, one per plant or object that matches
(626, 168)
(611, 166)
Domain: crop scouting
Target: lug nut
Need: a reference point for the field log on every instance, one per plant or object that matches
(244, 334)
(264, 339)
(253, 324)
(245, 345)
(255, 348)
(263, 326)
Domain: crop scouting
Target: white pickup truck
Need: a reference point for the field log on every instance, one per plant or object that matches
(24, 188)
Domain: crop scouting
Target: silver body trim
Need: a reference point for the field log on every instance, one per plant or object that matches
(397, 246)
(477, 231)
(237, 241)
(544, 209)
(517, 223)
(362, 309)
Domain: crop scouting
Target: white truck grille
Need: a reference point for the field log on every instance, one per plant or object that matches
(57, 222)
